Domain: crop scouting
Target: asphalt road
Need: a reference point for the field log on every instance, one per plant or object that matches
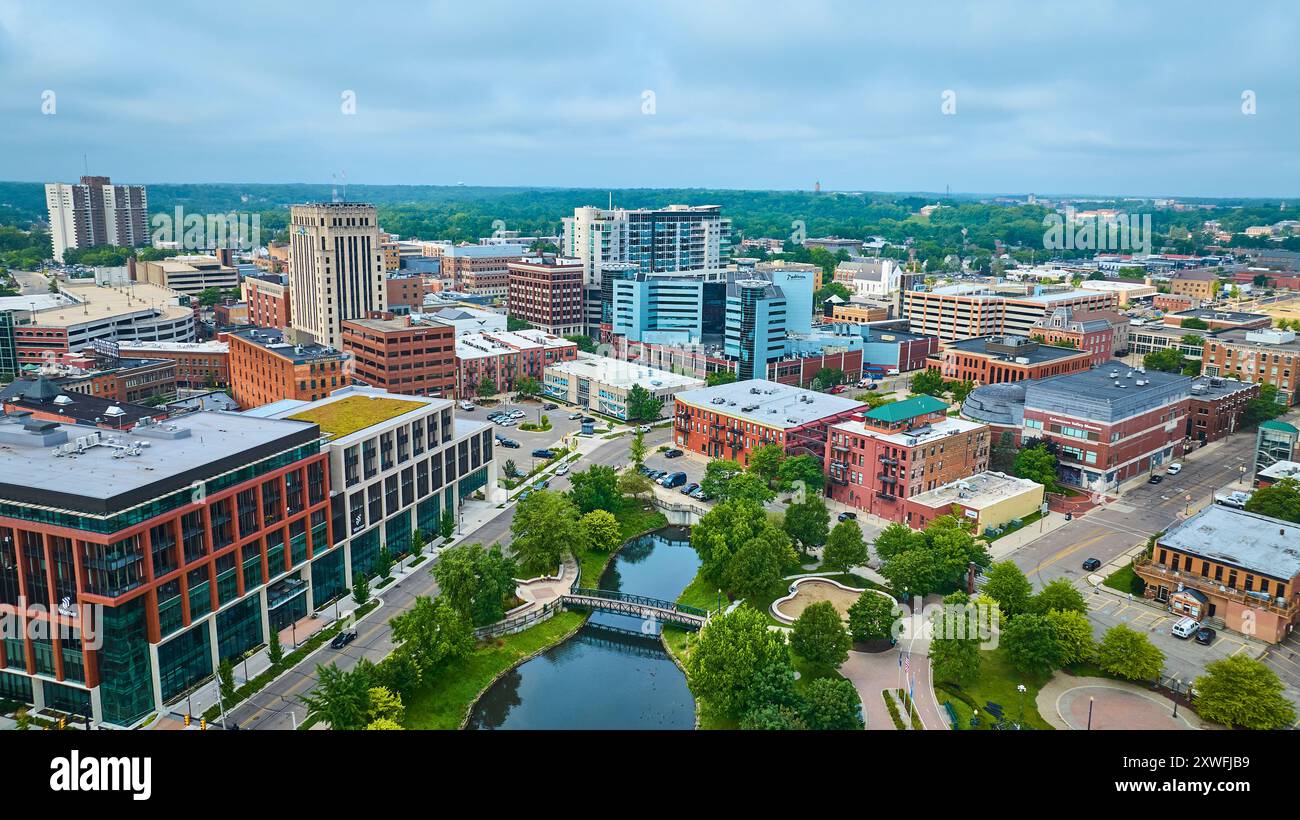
(279, 704)
(1139, 513)
(31, 282)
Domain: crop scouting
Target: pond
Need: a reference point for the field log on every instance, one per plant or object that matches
(610, 674)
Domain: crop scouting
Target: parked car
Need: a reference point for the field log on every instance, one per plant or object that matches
(847, 516)
(893, 371)
(509, 443)
(644, 470)
(1091, 564)
(516, 414)
(689, 488)
(1185, 627)
(344, 638)
(1205, 636)
(655, 475)
(542, 485)
(575, 416)
(645, 428)
(562, 469)
(525, 494)
(466, 405)
(589, 419)
(543, 453)
(700, 495)
(870, 385)
(1236, 499)
(1155, 479)
(550, 405)
(673, 453)
(674, 480)
(839, 388)
(1174, 469)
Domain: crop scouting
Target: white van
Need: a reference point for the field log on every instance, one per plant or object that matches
(1174, 469)
(1185, 628)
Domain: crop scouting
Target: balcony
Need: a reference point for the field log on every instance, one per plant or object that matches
(1173, 577)
(892, 462)
(886, 478)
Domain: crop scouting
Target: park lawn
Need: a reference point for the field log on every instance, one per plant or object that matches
(441, 703)
(997, 682)
(1125, 580)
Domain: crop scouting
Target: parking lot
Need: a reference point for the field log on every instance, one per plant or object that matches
(1284, 659)
(561, 426)
(1185, 659)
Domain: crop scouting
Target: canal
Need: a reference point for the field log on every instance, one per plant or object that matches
(601, 678)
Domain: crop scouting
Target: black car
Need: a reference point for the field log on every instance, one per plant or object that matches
(508, 442)
(344, 638)
(1205, 636)
(1155, 479)
(543, 453)
(1091, 564)
(847, 516)
(549, 406)
(674, 453)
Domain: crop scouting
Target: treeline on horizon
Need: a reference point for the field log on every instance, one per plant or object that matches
(467, 213)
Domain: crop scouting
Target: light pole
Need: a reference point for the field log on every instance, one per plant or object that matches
(1020, 687)
(1177, 686)
(1242, 468)
(1089, 712)
(293, 625)
(1188, 499)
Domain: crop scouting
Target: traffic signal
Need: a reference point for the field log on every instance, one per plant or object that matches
(63, 723)
(203, 724)
(187, 721)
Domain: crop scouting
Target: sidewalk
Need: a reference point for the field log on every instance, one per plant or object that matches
(1011, 542)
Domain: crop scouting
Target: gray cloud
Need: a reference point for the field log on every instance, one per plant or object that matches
(1098, 97)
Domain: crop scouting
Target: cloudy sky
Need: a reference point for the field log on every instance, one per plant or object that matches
(1096, 97)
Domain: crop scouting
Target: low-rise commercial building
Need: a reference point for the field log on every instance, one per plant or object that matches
(266, 365)
(729, 420)
(198, 364)
(190, 275)
(1104, 334)
(1276, 472)
(1229, 567)
(965, 311)
(987, 499)
(997, 359)
(1126, 291)
(482, 270)
(268, 302)
(1265, 356)
(503, 358)
(1198, 283)
(1218, 319)
(877, 460)
(546, 292)
(1217, 407)
(602, 384)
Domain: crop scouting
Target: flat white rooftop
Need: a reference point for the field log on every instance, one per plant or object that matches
(768, 403)
(917, 436)
(979, 491)
(623, 375)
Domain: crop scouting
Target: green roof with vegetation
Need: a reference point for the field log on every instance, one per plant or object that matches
(346, 416)
(908, 408)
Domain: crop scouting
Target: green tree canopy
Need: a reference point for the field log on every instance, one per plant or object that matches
(832, 704)
(765, 461)
(601, 531)
(845, 548)
(1058, 594)
(643, 405)
(803, 469)
(595, 488)
(930, 382)
(1279, 500)
(872, 616)
(1031, 644)
(544, 530)
(1073, 634)
(1036, 464)
(819, 636)
(1009, 587)
(807, 523)
(1241, 691)
(717, 474)
(726, 658)
(1126, 653)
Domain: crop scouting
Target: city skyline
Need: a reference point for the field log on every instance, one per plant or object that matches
(773, 98)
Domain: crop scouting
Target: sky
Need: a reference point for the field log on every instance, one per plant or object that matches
(1099, 97)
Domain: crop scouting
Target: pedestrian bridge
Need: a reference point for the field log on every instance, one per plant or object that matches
(639, 606)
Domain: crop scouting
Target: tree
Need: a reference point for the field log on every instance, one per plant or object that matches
(746, 486)
(1036, 464)
(1002, 455)
(476, 581)
(1194, 323)
(595, 488)
(383, 724)
(1240, 691)
(911, 573)
(1073, 634)
(758, 565)
(845, 548)
(545, 529)
(717, 474)
(772, 718)
(433, 631)
(274, 649)
(528, 386)
(642, 404)
(1168, 360)
(384, 564)
(765, 461)
(1059, 594)
(961, 389)
(832, 704)
(447, 524)
(918, 563)
(585, 343)
(930, 382)
(418, 542)
(1126, 653)
(1265, 406)
(805, 470)
(1031, 644)
(1279, 500)
(637, 449)
(1009, 587)
(807, 523)
(872, 616)
(829, 377)
(601, 531)
(956, 657)
(383, 704)
(511, 469)
(819, 636)
(727, 656)
(341, 698)
(209, 297)
(486, 387)
(719, 377)
(226, 680)
(896, 539)
(361, 589)
(634, 484)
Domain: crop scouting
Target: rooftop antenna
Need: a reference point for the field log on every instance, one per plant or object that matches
(611, 200)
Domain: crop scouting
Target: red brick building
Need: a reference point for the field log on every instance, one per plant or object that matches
(403, 358)
(198, 364)
(880, 458)
(1174, 302)
(729, 420)
(1101, 333)
(268, 303)
(546, 292)
(405, 291)
(266, 366)
(506, 357)
(1216, 407)
(999, 359)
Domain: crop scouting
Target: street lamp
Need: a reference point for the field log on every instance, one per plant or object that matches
(1020, 687)
(1242, 468)
(1090, 711)
(1188, 498)
(1177, 686)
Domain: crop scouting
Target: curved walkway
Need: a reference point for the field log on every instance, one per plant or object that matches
(873, 672)
(1116, 704)
(538, 592)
